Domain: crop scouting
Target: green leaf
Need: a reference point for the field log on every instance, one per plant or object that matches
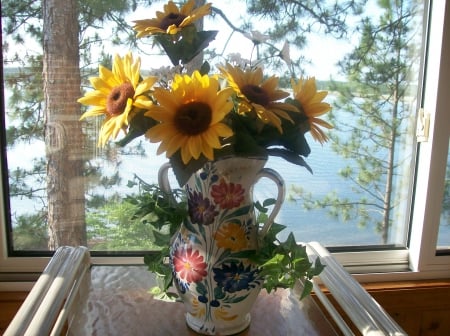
(183, 172)
(244, 254)
(239, 212)
(219, 294)
(235, 299)
(200, 287)
(184, 46)
(275, 262)
(276, 228)
(161, 239)
(138, 126)
(262, 218)
(166, 296)
(260, 207)
(269, 201)
(289, 156)
(307, 288)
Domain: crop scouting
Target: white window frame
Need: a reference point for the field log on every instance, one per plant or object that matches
(432, 159)
(419, 261)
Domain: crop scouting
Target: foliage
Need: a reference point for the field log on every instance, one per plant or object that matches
(31, 232)
(282, 263)
(376, 103)
(292, 21)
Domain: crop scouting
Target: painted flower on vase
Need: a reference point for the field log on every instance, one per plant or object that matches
(231, 236)
(235, 277)
(198, 308)
(189, 265)
(201, 210)
(227, 195)
(221, 313)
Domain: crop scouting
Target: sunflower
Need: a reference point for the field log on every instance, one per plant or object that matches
(118, 93)
(305, 92)
(190, 116)
(258, 95)
(172, 20)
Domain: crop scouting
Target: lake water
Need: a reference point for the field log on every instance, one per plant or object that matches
(307, 225)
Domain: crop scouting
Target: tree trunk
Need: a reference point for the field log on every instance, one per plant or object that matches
(63, 136)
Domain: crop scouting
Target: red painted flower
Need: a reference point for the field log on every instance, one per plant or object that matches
(190, 266)
(227, 195)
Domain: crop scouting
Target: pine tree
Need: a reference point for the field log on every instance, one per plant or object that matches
(32, 118)
(376, 103)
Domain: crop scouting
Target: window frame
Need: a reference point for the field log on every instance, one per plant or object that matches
(419, 260)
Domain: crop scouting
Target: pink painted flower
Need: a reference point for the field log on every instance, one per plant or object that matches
(227, 195)
(189, 265)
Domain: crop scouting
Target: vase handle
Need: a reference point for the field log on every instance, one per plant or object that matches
(163, 180)
(275, 177)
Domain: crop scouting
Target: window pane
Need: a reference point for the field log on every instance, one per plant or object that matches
(359, 193)
(444, 226)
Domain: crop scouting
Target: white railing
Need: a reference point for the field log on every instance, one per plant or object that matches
(46, 309)
(362, 309)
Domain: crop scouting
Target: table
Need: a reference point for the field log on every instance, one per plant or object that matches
(118, 303)
(74, 297)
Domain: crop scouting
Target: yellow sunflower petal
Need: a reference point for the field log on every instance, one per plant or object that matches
(190, 137)
(145, 85)
(94, 112)
(305, 92)
(106, 100)
(94, 98)
(158, 25)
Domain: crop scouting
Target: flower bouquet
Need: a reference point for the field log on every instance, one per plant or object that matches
(204, 114)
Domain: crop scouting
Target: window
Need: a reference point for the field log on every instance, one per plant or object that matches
(343, 204)
(443, 236)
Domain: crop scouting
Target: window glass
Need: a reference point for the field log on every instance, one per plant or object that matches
(358, 195)
(444, 226)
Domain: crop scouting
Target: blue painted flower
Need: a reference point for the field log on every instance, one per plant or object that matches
(201, 210)
(235, 277)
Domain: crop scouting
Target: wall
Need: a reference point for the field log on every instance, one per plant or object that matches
(419, 307)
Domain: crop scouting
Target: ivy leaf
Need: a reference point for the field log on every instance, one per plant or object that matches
(161, 239)
(307, 288)
(269, 201)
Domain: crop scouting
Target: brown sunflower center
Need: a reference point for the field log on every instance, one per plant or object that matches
(256, 94)
(117, 99)
(171, 19)
(193, 118)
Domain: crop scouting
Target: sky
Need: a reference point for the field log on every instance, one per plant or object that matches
(322, 50)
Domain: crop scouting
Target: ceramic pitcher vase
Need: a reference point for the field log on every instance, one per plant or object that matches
(217, 286)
